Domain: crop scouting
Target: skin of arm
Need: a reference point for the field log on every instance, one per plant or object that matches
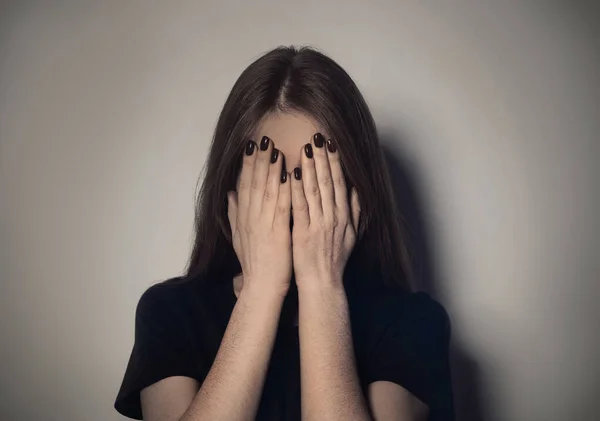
(259, 212)
(324, 234)
(233, 386)
(330, 384)
(329, 380)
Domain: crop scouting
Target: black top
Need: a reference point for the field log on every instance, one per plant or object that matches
(398, 336)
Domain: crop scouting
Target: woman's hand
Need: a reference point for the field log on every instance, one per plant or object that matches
(259, 215)
(324, 231)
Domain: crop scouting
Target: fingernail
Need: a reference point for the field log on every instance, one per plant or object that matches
(283, 176)
(274, 155)
(319, 140)
(264, 143)
(250, 147)
(331, 146)
(297, 173)
(308, 150)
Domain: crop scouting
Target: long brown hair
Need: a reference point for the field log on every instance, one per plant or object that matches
(289, 79)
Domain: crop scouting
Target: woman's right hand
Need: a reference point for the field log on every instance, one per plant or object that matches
(259, 216)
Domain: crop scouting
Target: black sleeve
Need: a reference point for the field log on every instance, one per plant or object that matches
(160, 349)
(413, 352)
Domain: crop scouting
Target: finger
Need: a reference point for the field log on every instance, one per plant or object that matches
(272, 189)
(339, 182)
(311, 185)
(355, 205)
(232, 209)
(299, 203)
(324, 179)
(245, 180)
(259, 177)
(284, 202)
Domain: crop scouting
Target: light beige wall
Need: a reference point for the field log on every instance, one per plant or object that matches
(106, 111)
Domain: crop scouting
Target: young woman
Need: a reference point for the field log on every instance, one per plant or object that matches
(297, 300)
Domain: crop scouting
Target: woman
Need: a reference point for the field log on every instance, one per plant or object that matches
(297, 296)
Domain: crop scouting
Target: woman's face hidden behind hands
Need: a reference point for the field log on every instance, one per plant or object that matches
(289, 133)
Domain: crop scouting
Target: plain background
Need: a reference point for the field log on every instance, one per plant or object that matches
(491, 108)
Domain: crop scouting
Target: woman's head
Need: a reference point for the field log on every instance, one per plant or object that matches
(290, 94)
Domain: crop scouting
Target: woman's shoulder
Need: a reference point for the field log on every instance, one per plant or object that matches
(410, 306)
(173, 295)
(386, 307)
(169, 290)
(404, 338)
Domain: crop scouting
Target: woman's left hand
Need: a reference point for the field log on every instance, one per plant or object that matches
(324, 230)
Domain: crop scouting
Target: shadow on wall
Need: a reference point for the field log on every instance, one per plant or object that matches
(466, 376)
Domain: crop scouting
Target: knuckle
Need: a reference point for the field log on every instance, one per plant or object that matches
(314, 191)
(242, 226)
(335, 221)
(261, 160)
(331, 221)
(269, 195)
(328, 182)
(250, 229)
(248, 164)
(254, 184)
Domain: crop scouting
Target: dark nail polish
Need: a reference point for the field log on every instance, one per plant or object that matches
(264, 143)
(308, 150)
(274, 155)
(283, 176)
(297, 173)
(319, 140)
(250, 147)
(331, 146)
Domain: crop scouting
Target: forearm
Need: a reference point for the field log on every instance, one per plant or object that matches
(233, 387)
(329, 379)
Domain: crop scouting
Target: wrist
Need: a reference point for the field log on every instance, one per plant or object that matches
(326, 288)
(324, 304)
(250, 291)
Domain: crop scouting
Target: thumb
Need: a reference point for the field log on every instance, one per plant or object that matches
(232, 210)
(355, 208)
